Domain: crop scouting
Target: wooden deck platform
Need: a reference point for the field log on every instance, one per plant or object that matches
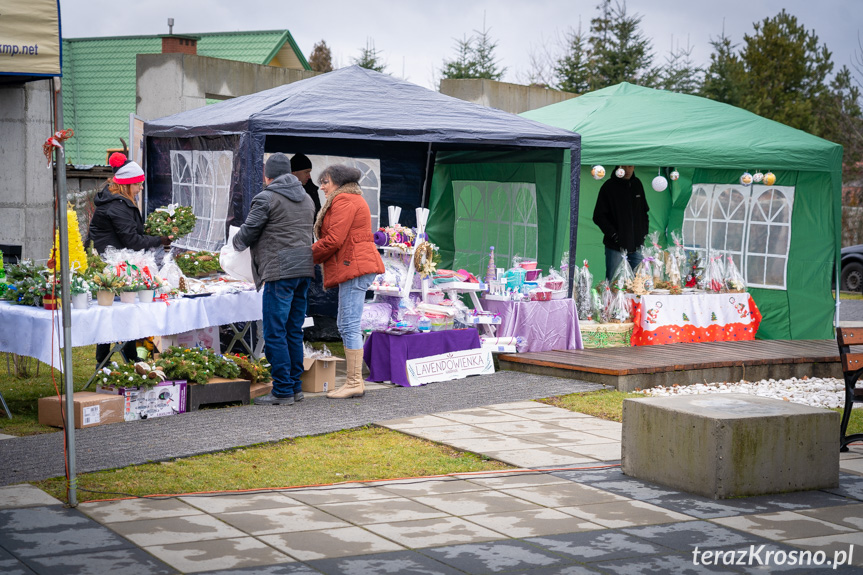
(643, 367)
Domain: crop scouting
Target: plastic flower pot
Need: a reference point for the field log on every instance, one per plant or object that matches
(49, 302)
(129, 296)
(146, 295)
(81, 301)
(105, 297)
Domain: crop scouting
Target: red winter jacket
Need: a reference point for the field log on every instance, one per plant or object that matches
(345, 244)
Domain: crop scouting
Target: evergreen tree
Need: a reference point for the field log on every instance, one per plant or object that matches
(370, 58)
(462, 66)
(474, 58)
(483, 56)
(571, 70)
(786, 72)
(723, 80)
(619, 50)
(680, 74)
(321, 58)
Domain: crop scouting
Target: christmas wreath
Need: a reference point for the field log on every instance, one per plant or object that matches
(26, 284)
(196, 365)
(426, 259)
(174, 221)
(254, 370)
(198, 263)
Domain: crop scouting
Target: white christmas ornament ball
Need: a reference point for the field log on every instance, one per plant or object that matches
(619, 172)
(659, 184)
(598, 172)
(674, 175)
(757, 177)
(746, 178)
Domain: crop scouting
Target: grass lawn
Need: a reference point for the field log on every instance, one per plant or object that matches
(367, 453)
(360, 454)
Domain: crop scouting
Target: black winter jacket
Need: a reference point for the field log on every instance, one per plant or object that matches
(117, 222)
(279, 231)
(621, 213)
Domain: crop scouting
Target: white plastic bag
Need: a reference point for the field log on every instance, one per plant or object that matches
(236, 264)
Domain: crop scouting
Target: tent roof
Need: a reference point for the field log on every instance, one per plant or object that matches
(99, 80)
(357, 103)
(628, 124)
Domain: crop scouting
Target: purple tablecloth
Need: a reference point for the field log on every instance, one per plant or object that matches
(546, 325)
(386, 354)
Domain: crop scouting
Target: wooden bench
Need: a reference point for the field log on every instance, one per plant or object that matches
(852, 369)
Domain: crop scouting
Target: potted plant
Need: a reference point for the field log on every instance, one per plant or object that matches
(107, 285)
(130, 288)
(51, 291)
(80, 289)
(150, 285)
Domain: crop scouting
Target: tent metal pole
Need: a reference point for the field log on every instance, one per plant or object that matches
(65, 307)
(426, 178)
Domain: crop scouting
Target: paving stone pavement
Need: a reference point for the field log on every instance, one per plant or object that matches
(568, 510)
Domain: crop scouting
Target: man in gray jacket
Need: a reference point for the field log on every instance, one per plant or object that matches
(278, 230)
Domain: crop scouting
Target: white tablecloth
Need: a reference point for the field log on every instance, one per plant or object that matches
(26, 330)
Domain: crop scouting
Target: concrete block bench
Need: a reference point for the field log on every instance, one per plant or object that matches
(730, 445)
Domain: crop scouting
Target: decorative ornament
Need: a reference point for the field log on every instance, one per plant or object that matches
(598, 172)
(619, 172)
(674, 175)
(757, 177)
(491, 270)
(746, 178)
(769, 179)
(424, 259)
(56, 141)
(659, 184)
(637, 285)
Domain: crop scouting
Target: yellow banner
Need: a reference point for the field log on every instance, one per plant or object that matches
(30, 37)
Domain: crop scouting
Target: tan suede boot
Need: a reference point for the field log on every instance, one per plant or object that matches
(354, 385)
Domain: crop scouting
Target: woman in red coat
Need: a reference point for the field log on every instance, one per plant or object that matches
(350, 260)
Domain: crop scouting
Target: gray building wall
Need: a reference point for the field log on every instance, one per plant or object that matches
(512, 98)
(26, 185)
(172, 83)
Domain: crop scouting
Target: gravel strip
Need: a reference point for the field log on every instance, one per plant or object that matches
(825, 392)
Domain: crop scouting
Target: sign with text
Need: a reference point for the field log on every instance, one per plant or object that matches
(446, 366)
(30, 37)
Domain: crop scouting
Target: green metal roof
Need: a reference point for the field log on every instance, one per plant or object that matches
(99, 81)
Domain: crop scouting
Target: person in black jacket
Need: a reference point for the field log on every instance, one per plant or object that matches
(117, 222)
(621, 213)
(301, 167)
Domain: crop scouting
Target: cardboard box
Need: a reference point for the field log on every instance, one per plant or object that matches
(91, 409)
(205, 337)
(163, 399)
(319, 374)
(259, 389)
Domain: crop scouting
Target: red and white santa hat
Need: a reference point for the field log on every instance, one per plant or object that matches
(125, 170)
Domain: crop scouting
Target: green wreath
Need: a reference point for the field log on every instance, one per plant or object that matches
(174, 221)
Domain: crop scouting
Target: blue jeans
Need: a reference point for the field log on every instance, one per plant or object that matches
(613, 259)
(352, 295)
(284, 308)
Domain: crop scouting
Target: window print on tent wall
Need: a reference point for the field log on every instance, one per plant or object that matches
(751, 224)
(499, 214)
(202, 179)
(769, 235)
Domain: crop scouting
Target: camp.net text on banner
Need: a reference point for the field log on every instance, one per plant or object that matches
(30, 38)
(446, 366)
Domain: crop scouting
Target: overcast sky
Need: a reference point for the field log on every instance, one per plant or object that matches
(415, 37)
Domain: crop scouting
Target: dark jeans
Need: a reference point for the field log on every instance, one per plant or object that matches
(614, 257)
(284, 309)
(130, 350)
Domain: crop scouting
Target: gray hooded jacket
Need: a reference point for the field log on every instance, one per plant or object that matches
(279, 231)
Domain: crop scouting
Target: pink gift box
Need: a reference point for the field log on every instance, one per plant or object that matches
(540, 295)
(528, 264)
(554, 285)
(532, 274)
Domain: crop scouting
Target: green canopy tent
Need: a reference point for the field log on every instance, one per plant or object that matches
(785, 238)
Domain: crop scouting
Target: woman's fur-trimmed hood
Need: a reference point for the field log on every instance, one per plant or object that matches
(349, 188)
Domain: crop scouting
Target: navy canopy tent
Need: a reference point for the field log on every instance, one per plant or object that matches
(360, 113)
